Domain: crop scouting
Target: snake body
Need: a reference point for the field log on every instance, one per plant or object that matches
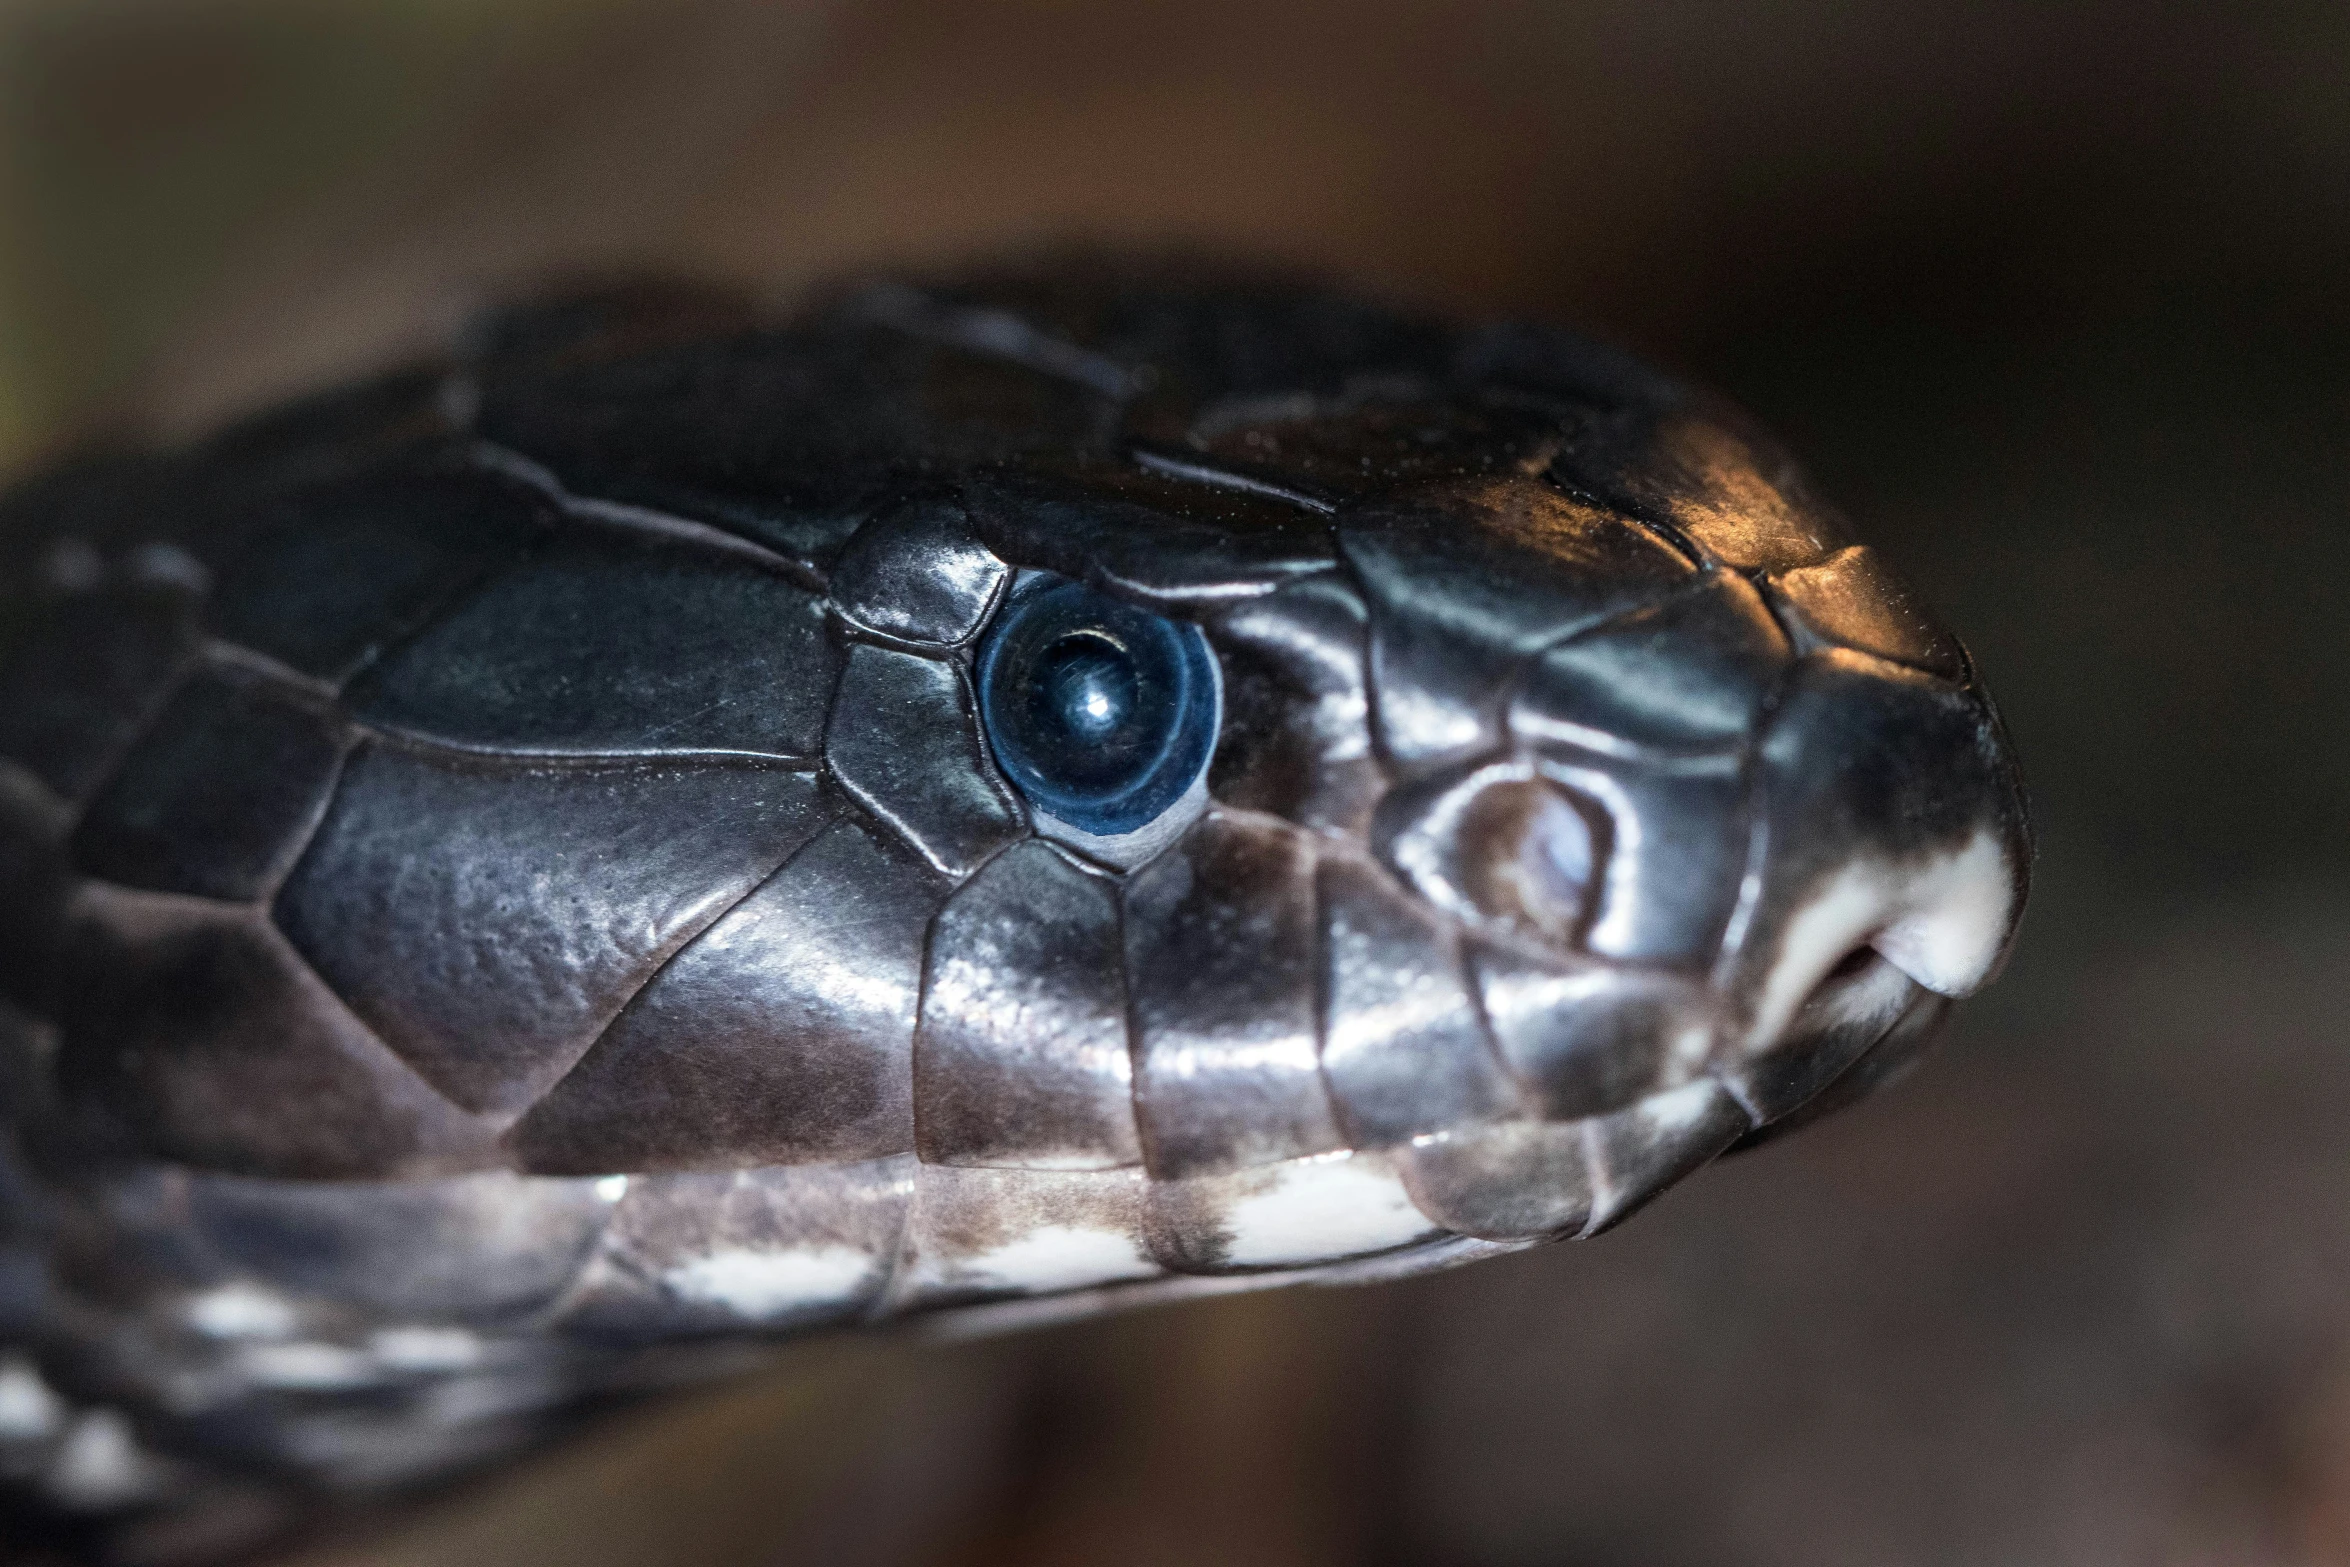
(526, 876)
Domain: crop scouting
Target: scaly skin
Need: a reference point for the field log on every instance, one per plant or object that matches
(510, 901)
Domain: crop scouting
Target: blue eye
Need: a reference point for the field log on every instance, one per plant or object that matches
(1102, 715)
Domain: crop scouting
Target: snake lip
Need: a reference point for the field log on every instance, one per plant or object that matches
(1940, 921)
(1860, 1029)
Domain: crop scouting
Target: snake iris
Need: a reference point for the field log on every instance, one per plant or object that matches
(965, 804)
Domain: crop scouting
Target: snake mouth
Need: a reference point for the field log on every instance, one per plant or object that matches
(1864, 1023)
(1864, 993)
(1865, 971)
(1938, 923)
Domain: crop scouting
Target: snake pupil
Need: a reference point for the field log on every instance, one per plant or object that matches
(1086, 686)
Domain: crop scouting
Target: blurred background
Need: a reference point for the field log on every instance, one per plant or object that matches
(2054, 295)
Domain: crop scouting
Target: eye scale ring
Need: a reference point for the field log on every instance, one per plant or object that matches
(1102, 715)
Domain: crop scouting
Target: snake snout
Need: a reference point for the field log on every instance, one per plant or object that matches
(1889, 866)
(1766, 916)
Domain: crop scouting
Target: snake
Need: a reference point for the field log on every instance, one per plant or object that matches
(680, 821)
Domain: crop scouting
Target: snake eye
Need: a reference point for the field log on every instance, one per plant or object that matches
(1102, 715)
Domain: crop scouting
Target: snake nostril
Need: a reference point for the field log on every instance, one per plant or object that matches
(1503, 850)
(1531, 859)
(1553, 862)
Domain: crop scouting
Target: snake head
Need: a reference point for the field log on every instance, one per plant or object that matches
(1585, 799)
(1007, 795)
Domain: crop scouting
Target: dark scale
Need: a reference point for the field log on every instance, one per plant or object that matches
(986, 799)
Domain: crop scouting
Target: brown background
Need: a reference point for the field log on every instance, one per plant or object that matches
(2055, 296)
